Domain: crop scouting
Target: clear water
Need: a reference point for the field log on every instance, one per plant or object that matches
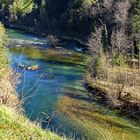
(55, 92)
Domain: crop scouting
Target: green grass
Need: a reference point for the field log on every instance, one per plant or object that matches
(14, 126)
(3, 58)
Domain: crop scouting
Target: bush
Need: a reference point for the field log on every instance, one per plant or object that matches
(20, 8)
(99, 66)
(52, 41)
(119, 59)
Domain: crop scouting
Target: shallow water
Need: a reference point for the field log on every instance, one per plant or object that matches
(55, 96)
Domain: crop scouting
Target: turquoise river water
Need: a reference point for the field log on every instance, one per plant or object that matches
(54, 94)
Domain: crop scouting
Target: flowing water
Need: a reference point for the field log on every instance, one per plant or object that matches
(54, 94)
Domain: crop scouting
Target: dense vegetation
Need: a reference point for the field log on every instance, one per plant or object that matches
(117, 22)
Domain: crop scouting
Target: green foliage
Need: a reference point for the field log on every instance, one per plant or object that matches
(22, 7)
(43, 3)
(3, 56)
(135, 22)
(83, 3)
(5, 2)
(99, 64)
(119, 59)
(105, 39)
(136, 18)
(42, 9)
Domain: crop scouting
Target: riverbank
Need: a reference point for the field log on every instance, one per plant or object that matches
(59, 35)
(13, 123)
(16, 126)
(121, 95)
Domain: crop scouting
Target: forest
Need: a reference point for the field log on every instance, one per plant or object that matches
(72, 69)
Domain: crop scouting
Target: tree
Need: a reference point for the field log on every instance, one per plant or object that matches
(95, 41)
(135, 21)
(96, 45)
(20, 8)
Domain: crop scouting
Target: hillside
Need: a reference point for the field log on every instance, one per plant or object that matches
(16, 126)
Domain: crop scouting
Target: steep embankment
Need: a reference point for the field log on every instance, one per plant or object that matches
(16, 126)
(13, 124)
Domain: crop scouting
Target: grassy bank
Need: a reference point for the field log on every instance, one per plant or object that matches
(119, 88)
(14, 125)
(114, 74)
(17, 127)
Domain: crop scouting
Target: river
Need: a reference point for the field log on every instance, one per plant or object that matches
(54, 94)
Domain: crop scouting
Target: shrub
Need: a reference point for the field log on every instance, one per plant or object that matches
(21, 8)
(99, 66)
(52, 40)
(119, 59)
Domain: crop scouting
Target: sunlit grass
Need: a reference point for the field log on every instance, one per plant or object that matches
(14, 126)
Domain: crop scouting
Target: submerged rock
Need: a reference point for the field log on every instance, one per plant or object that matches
(22, 66)
(33, 67)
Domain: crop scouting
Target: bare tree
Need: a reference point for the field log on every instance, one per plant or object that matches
(95, 41)
(120, 9)
(119, 41)
(107, 3)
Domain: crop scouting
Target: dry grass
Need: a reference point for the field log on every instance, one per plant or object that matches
(8, 95)
(7, 86)
(118, 83)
